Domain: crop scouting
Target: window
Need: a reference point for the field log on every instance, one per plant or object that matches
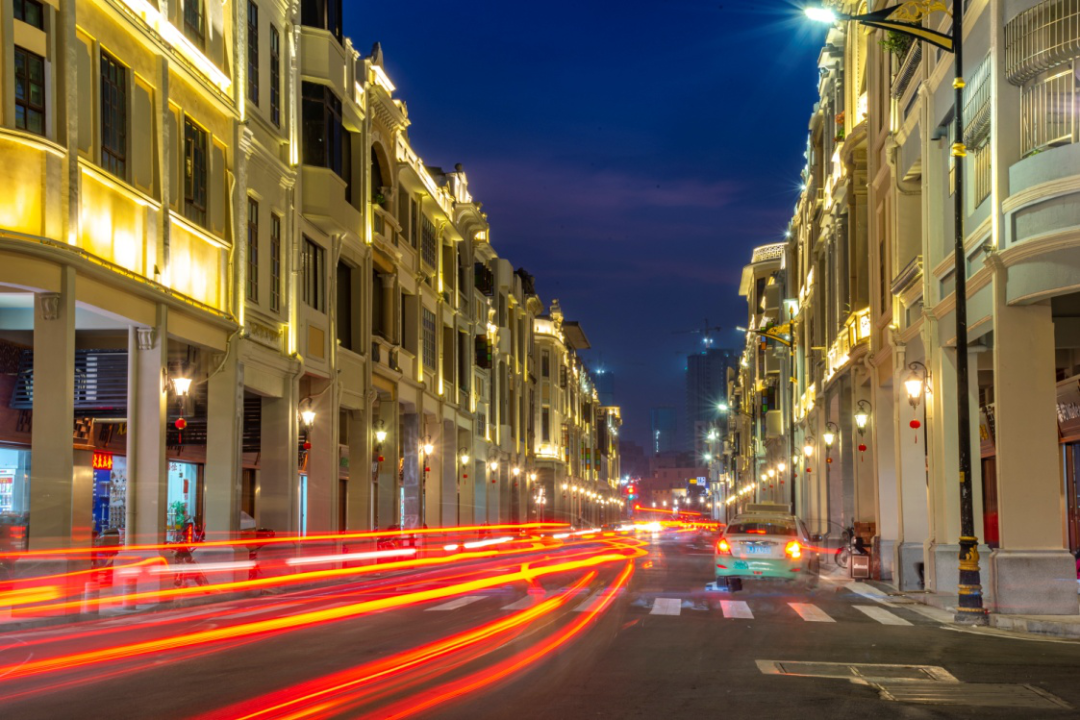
(253, 53)
(429, 339)
(30, 12)
(29, 91)
(253, 251)
(429, 250)
(545, 364)
(313, 269)
(414, 222)
(325, 14)
(275, 263)
(344, 306)
(275, 76)
(113, 115)
(322, 133)
(194, 21)
(194, 172)
(545, 425)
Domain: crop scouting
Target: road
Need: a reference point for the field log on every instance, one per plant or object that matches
(620, 639)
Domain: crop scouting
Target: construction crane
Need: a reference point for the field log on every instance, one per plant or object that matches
(705, 331)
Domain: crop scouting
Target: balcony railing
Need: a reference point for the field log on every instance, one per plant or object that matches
(1049, 105)
(907, 70)
(1042, 38)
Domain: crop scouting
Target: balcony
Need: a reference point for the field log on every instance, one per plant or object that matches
(854, 333)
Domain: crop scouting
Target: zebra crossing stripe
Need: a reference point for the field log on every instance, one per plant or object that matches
(456, 603)
(666, 606)
(736, 609)
(522, 604)
(810, 613)
(882, 615)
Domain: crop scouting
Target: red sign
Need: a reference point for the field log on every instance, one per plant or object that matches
(102, 461)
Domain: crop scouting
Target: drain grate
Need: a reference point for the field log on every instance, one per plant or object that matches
(972, 695)
(859, 672)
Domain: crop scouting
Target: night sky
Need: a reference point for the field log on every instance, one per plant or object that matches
(628, 154)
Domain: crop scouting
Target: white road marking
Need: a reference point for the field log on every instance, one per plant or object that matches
(456, 603)
(522, 604)
(736, 609)
(591, 603)
(810, 613)
(882, 615)
(666, 606)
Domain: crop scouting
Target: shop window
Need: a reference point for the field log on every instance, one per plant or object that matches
(195, 141)
(275, 263)
(113, 116)
(253, 53)
(253, 251)
(29, 91)
(195, 23)
(275, 76)
(313, 271)
(30, 12)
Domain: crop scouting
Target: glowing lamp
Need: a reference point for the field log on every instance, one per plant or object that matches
(182, 386)
(464, 457)
(307, 417)
(428, 448)
(820, 14)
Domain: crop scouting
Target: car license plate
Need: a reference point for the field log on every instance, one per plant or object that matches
(740, 565)
(757, 550)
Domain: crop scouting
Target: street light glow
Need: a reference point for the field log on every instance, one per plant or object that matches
(820, 14)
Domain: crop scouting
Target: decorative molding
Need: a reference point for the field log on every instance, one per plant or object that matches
(1041, 192)
(146, 338)
(50, 306)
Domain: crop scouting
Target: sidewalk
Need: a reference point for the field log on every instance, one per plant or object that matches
(1059, 626)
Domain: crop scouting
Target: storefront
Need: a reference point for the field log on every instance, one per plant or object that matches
(185, 494)
(1068, 407)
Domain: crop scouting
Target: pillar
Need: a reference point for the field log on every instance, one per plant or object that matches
(224, 427)
(385, 490)
(147, 483)
(944, 487)
(51, 459)
(359, 499)
(881, 457)
(448, 465)
(912, 512)
(277, 493)
(413, 470)
(467, 487)
(1032, 572)
(323, 464)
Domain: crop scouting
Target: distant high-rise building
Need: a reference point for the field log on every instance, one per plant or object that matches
(663, 428)
(706, 388)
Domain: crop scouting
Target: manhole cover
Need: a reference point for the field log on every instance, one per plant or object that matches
(972, 695)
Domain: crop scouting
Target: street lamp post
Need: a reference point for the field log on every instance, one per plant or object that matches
(380, 438)
(904, 19)
(428, 448)
(463, 456)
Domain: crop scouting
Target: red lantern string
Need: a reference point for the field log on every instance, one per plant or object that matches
(915, 425)
(180, 424)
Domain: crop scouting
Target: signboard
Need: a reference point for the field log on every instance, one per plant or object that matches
(103, 461)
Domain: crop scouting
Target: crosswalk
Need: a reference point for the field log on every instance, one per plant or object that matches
(845, 608)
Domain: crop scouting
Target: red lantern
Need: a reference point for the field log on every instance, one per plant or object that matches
(307, 445)
(808, 470)
(180, 424)
(465, 476)
(862, 448)
(915, 424)
(828, 460)
(427, 469)
(381, 458)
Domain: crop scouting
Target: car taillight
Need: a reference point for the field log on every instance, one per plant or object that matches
(722, 547)
(794, 550)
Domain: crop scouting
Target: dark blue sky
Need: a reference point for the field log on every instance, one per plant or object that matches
(628, 154)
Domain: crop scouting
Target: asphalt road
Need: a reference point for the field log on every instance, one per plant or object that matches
(664, 648)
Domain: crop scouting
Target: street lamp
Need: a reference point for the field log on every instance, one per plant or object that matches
(428, 449)
(829, 436)
(380, 437)
(915, 383)
(862, 416)
(970, 608)
(808, 449)
(181, 386)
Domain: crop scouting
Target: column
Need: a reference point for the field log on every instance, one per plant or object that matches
(323, 463)
(147, 483)
(431, 471)
(467, 486)
(944, 486)
(386, 489)
(448, 464)
(52, 502)
(224, 426)
(359, 498)
(880, 455)
(277, 497)
(1032, 571)
(413, 470)
(912, 512)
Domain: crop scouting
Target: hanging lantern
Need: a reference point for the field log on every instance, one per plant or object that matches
(381, 458)
(427, 469)
(829, 460)
(180, 424)
(307, 445)
(466, 477)
(915, 425)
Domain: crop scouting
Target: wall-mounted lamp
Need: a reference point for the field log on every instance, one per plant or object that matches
(862, 416)
(463, 456)
(916, 382)
(829, 436)
(181, 386)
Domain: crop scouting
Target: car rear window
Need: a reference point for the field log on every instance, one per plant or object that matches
(762, 528)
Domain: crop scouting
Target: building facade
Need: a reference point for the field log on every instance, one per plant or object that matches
(237, 282)
(869, 276)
